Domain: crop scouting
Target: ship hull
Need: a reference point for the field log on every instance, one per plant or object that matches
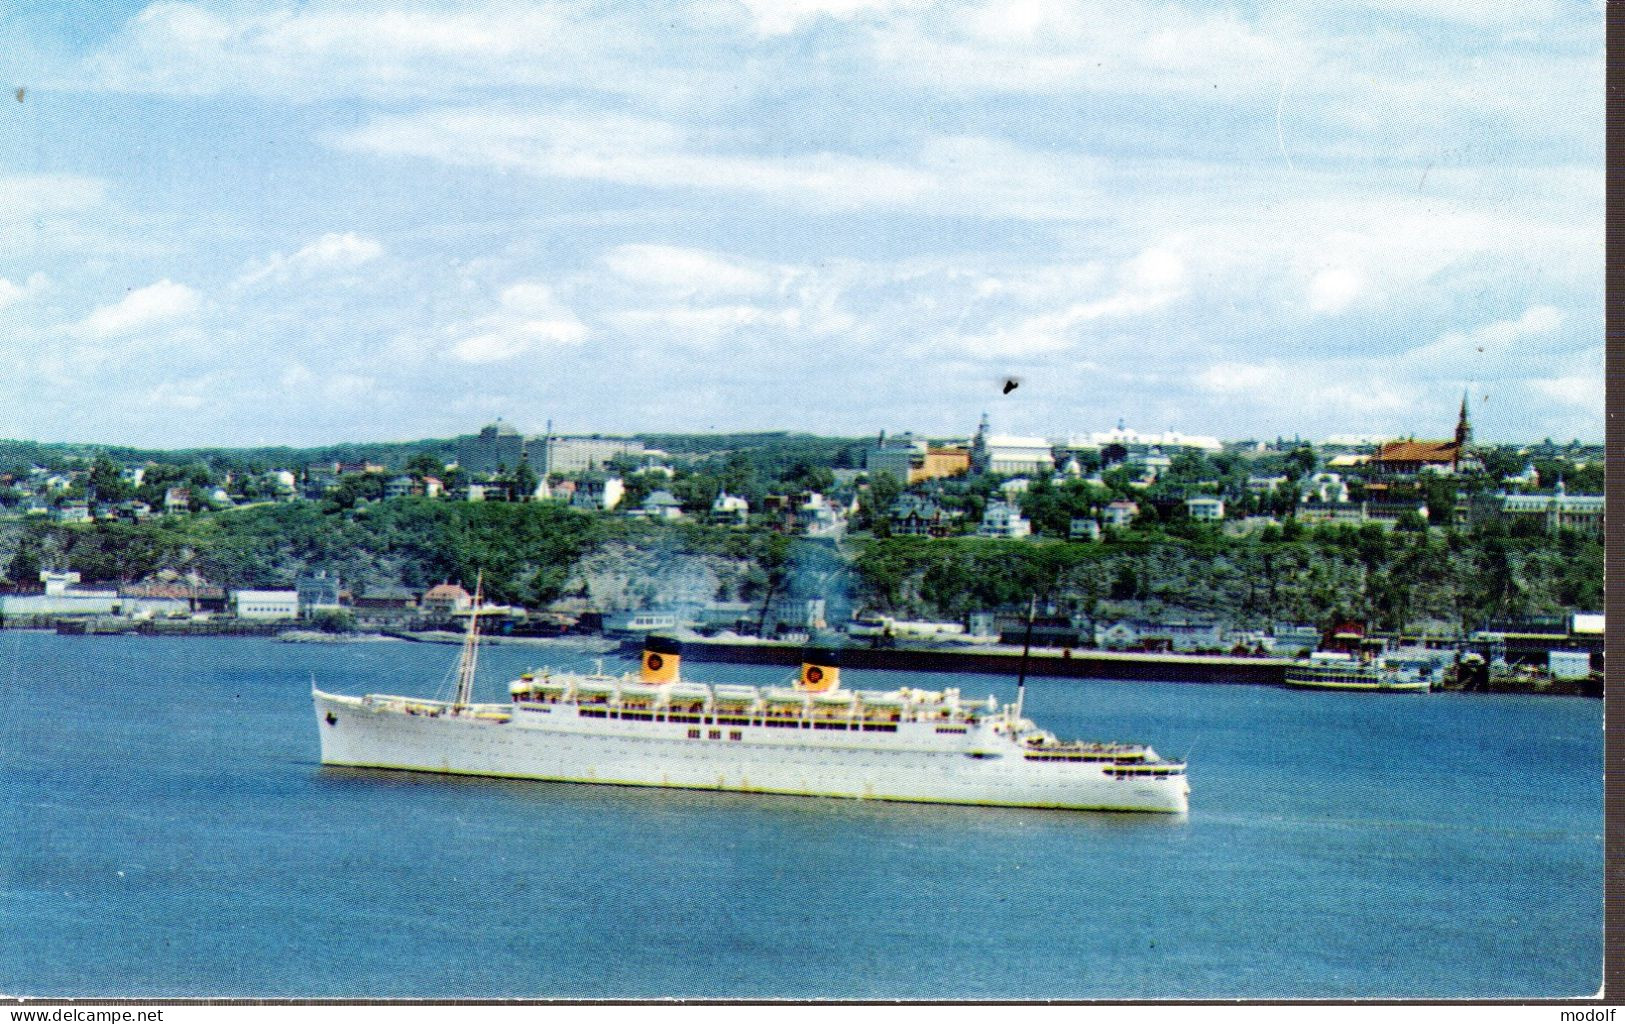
(498, 741)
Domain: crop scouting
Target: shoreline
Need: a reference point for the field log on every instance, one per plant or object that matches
(1048, 662)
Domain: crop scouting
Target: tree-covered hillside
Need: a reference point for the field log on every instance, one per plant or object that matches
(537, 552)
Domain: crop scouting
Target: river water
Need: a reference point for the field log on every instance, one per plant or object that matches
(168, 831)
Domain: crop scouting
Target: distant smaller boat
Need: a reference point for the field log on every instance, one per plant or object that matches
(1330, 670)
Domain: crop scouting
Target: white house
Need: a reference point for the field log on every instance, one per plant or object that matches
(730, 509)
(266, 604)
(1155, 464)
(282, 481)
(446, 599)
(1120, 513)
(1004, 521)
(1326, 488)
(1205, 508)
(819, 516)
(1084, 528)
(600, 494)
(660, 505)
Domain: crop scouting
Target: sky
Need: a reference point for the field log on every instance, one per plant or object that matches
(243, 224)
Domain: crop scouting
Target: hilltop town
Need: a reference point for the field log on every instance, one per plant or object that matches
(1129, 539)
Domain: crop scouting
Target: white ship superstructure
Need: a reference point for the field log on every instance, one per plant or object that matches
(813, 738)
(1389, 674)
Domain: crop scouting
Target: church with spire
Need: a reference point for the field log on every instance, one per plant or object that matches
(1008, 455)
(1410, 456)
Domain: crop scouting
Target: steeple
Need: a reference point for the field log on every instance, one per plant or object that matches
(1464, 429)
(978, 448)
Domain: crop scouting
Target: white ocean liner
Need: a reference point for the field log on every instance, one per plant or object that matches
(810, 739)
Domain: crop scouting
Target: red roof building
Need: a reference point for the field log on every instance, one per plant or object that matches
(447, 599)
(1412, 456)
(1415, 456)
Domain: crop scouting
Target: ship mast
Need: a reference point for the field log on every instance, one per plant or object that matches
(471, 650)
(1026, 649)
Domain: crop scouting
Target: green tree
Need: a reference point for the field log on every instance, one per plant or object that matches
(1301, 462)
(107, 483)
(1440, 497)
(425, 464)
(26, 564)
(525, 480)
(333, 620)
(874, 508)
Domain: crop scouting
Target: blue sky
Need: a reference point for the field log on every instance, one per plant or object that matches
(242, 224)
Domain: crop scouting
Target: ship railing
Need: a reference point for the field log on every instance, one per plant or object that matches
(433, 708)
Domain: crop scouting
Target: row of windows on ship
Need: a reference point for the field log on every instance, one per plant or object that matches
(676, 709)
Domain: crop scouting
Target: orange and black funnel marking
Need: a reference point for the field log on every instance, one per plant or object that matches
(820, 671)
(661, 657)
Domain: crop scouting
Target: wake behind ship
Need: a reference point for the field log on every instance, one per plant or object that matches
(810, 739)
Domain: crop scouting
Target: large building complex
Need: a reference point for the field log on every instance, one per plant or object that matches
(1136, 443)
(568, 456)
(499, 447)
(496, 448)
(1006, 454)
(910, 459)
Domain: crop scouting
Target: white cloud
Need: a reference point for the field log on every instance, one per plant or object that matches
(33, 196)
(141, 308)
(678, 271)
(1314, 390)
(1492, 13)
(1495, 350)
(780, 17)
(962, 175)
(1585, 391)
(327, 51)
(188, 395)
(1238, 378)
(1524, 363)
(331, 386)
(1332, 249)
(1334, 290)
(529, 317)
(331, 252)
(1146, 283)
(630, 151)
(1060, 46)
(703, 323)
(11, 294)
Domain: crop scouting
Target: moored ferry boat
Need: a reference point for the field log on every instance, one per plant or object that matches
(1392, 674)
(813, 738)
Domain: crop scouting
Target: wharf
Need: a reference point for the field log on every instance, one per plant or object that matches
(1044, 661)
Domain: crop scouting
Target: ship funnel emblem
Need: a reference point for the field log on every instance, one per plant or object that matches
(661, 659)
(820, 671)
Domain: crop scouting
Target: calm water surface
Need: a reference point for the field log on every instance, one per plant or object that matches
(168, 831)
